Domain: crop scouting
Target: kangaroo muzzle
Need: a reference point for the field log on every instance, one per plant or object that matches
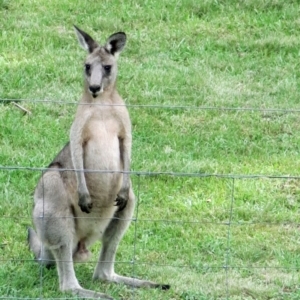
(95, 90)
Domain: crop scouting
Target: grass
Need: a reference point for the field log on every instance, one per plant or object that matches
(195, 63)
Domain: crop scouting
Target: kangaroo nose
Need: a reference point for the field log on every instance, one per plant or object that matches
(94, 89)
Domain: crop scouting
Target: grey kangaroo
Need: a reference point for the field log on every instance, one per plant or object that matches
(74, 209)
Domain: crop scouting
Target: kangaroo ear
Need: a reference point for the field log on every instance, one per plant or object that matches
(85, 40)
(115, 43)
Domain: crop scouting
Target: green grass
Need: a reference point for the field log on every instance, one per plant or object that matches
(196, 233)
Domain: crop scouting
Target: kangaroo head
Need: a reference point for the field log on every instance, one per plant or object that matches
(100, 67)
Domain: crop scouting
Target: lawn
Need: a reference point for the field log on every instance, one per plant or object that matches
(212, 90)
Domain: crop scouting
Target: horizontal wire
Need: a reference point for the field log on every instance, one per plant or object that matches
(270, 110)
(150, 173)
(158, 265)
(206, 269)
(233, 223)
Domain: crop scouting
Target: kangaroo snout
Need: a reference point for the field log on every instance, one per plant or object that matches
(94, 89)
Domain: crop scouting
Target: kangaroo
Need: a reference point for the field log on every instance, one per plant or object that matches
(86, 194)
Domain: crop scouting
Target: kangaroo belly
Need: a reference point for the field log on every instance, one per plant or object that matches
(90, 227)
(102, 153)
(103, 164)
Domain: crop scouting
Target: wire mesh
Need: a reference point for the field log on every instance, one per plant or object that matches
(135, 265)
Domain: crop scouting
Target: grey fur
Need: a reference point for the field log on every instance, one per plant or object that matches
(74, 209)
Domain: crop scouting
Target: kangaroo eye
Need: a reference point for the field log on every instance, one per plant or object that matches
(87, 67)
(107, 68)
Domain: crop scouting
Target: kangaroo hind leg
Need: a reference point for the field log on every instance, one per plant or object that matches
(42, 254)
(110, 241)
(54, 221)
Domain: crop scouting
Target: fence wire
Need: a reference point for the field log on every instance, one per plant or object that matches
(137, 220)
(160, 106)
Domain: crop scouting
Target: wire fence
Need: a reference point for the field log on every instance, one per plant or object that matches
(160, 106)
(188, 268)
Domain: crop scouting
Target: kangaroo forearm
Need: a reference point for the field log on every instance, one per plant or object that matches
(126, 154)
(77, 159)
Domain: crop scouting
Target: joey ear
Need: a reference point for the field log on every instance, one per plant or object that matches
(115, 43)
(85, 40)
